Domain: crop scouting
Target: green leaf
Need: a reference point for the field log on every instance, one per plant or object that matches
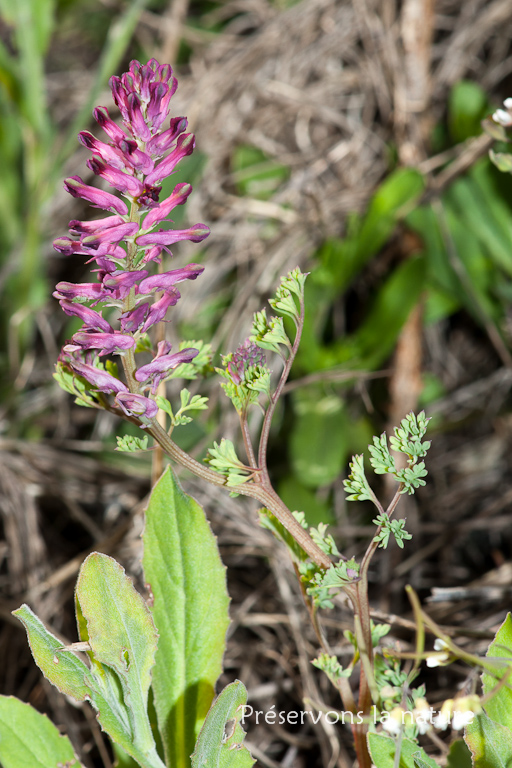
(318, 442)
(499, 706)
(190, 609)
(459, 755)
(121, 634)
(382, 751)
(63, 669)
(71, 676)
(31, 739)
(466, 108)
(490, 743)
(219, 744)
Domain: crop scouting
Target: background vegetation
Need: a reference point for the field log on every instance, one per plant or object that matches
(340, 136)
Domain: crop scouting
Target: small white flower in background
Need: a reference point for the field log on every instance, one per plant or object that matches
(440, 658)
(422, 716)
(459, 712)
(502, 117)
(461, 719)
(392, 721)
(466, 709)
(508, 103)
(442, 721)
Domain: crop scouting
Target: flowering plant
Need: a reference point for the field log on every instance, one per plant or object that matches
(173, 644)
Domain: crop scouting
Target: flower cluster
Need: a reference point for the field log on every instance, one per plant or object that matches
(134, 162)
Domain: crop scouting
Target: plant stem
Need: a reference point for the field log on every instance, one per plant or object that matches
(262, 492)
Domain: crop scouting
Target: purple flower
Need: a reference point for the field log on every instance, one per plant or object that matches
(121, 283)
(72, 291)
(169, 236)
(109, 343)
(97, 197)
(246, 355)
(137, 405)
(177, 197)
(101, 380)
(122, 181)
(159, 367)
(159, 309)
(184, 146)
(134, 160)
(90, 318)
(165, 280)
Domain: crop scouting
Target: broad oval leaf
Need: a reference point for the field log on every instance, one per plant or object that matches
(499, 706)
(490, 743)
(190, 609)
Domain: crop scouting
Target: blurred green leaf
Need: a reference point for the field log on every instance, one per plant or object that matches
(255, 174)
(467, 106)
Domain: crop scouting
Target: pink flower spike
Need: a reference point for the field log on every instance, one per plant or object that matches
(169, 236)
(166, 280)
(97, 197)
(184, 146)
(137, 405)
(109, 343)
(101, 380)
(178, 196)
(89, 317)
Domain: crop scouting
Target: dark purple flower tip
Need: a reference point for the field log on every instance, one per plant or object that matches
(162, 142)
(101, 380)
(109, 343)
(97, 197)
(111, 128)
(137, 405)
(178, 196)
(166, 280)
(184, 146)
(89, 317)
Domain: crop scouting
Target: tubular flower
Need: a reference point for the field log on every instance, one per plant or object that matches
(134, 160)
